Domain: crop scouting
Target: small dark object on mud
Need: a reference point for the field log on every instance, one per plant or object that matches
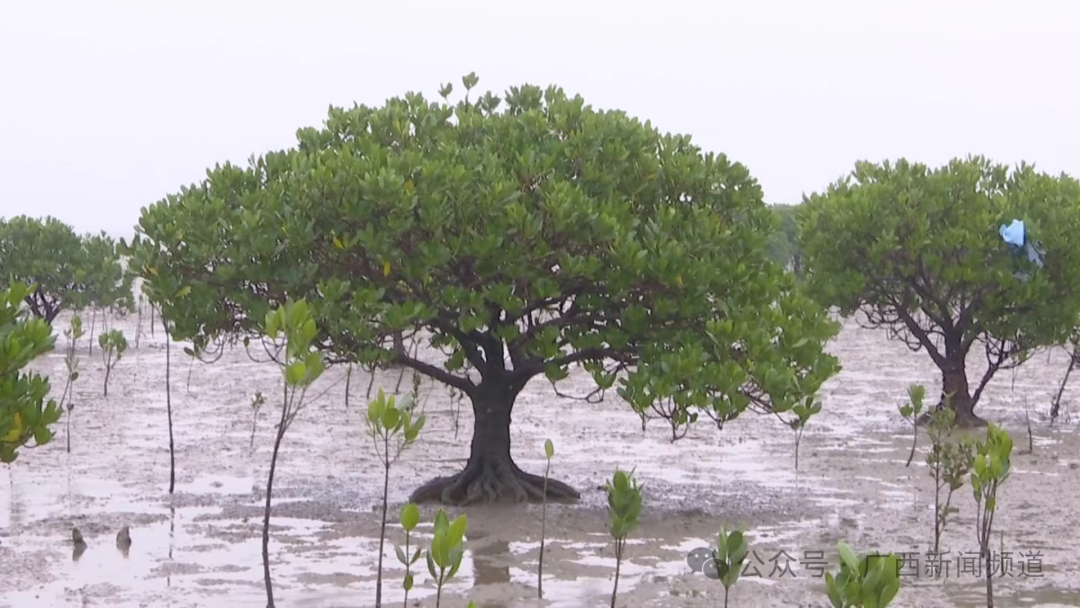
(123, 538)
(76, 536)
(123, 541)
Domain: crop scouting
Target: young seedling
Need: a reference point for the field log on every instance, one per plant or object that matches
(911, 411)
(949, 464)
(727, 559)
(168, 401)
(113, 345)
(392, 429)
(624, 509)
(348, 384)
(870, 581)
(90, 341)
(802, 412)
(989, 471)
(549, 452)
(256, 404)
(410, 517)
(301, 367)
(447, 549)
(72, 335)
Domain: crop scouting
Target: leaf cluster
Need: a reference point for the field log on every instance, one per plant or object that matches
(25, 411)
(870, 581)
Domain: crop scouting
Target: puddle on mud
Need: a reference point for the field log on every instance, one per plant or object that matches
(202, 546)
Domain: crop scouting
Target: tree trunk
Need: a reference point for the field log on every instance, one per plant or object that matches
(954, 384)
(491, 475)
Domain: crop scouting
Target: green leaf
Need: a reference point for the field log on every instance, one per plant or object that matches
(549, 449)
(848, 556)
(410, 516)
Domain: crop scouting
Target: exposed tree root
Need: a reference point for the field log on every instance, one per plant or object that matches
(963, 419)
(492, 480)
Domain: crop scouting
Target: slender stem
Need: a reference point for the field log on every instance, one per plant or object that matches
(168, 406)
(382, 529)
(914, 438)
(269, 491)
(618, 567)
(408, 569)
(543, 534)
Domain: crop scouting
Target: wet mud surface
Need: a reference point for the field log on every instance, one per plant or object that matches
(202, 545)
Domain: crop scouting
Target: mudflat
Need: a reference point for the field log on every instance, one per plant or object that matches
(201, 545)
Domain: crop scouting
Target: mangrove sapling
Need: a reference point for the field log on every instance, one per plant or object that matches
(301, 367)
(624, 509)
(869, 581)
(447, 549)
(90, 341)
(348, 384)
(256, 404)
(168, 403)
(138, 320)
(72, 334)
(191, 367)
(911, 411)
(802, 412)
(549, 452)
(727, 559)
(1027, 419)
(949, 463)
(1074, 359)
(409, 518)
(392, 429)
(989, 470)
(113, 345)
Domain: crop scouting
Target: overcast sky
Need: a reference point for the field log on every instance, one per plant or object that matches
(108, 105)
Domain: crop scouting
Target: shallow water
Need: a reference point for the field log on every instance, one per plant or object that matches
(202, 545)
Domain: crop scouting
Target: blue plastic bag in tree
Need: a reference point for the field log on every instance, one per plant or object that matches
(1015, 237)
(1013, 234)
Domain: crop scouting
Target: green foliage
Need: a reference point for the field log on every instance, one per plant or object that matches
(728, 557)
(24, 412)
(388, 422)
(911, 411)
(863, 582)
(624, 503)
(989, 470)
(72, 335)
(113, 345)
(409, 518)
(293, 321)
(949, 463)
(447, 549)
(918, 250)
(624, 509)
(48, 254)
(534, 225)
(109, 286)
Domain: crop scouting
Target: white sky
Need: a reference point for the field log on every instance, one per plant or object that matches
(108, 105)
